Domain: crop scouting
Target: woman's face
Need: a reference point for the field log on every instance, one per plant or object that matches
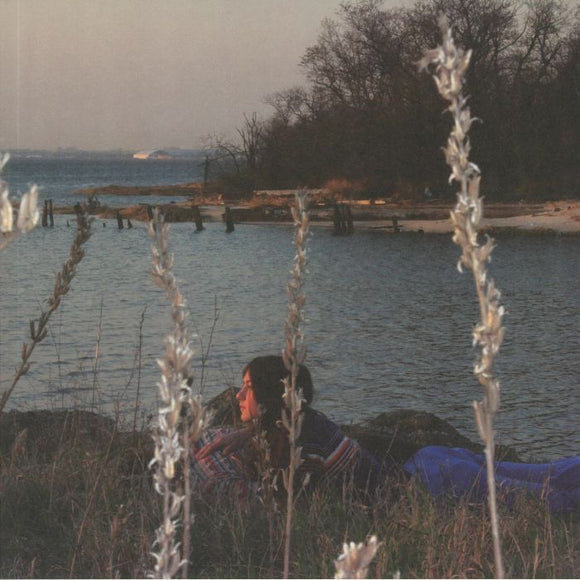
(247, 400)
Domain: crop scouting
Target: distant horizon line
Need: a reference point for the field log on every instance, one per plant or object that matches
(111, 150)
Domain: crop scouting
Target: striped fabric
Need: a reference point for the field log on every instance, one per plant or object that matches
(219, 473)
(326, 452)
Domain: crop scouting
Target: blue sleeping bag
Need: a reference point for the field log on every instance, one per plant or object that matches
(459, 472)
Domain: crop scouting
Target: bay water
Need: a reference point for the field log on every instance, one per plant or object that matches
(388, 317)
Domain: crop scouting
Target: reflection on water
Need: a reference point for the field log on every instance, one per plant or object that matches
(388, 322)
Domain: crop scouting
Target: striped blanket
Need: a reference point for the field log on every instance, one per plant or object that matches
(326, 453)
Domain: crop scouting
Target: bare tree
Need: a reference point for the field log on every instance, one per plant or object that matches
(251, 134)
(239, 160)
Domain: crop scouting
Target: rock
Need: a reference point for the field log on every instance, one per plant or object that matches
(395, 434)
(400, 434)
(47, 432)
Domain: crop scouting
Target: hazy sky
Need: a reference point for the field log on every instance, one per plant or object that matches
(144, 74)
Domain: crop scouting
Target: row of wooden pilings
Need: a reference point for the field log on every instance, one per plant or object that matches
(227, 217)
(48, 217)
(343, 221)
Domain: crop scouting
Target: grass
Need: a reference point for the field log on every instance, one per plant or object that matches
(78, 467)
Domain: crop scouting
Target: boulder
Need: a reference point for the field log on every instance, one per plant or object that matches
(395, 434)
(400, 434)
(47, 431)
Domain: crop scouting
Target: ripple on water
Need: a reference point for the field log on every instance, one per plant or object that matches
(388, 325)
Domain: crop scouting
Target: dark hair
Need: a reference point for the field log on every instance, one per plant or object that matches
(267, 374)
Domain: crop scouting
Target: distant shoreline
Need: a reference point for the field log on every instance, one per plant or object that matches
(561, 217)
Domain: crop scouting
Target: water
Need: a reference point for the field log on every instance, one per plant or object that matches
(58, 179)
(388, 325)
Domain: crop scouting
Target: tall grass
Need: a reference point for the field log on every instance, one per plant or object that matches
(294, 354)
(47, 478)
(451, 64)
(181, 417)
(64, 278)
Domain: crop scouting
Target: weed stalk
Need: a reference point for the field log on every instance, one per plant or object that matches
(181, 417)
(450, 65)
(64, 278)
(294, 354)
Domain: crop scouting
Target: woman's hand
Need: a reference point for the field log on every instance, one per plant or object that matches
(227, 443)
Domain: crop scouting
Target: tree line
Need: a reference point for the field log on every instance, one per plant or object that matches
(367, 117)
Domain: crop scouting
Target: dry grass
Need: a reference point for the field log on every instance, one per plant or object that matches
(48, 482)
(450, 65)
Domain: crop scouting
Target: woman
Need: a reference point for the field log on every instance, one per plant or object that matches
(224, 457)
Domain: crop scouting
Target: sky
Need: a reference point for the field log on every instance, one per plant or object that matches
(146, 74)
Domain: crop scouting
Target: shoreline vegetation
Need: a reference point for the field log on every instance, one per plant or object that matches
(560, 216)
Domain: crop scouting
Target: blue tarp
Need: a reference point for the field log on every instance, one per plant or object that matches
(459, 472)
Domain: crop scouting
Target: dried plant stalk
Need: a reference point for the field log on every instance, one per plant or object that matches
(181, 417)
(38, 330)
(294, 354)
(355, 559)
(450, 66)
(27, 213)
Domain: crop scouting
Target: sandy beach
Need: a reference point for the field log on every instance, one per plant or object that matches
(429, 217)
(562, 217)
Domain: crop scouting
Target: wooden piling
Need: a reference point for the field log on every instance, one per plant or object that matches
(129, 224)
(229, 221)
(50, 213)
(343, 223)
(119, 220)
(349, 224)
(337, 219)
(197, 218)
(45, 214)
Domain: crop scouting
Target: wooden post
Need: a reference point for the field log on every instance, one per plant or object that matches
(229, 221)
(50, 214)
(119, 220)
(197, 218)
(129, 224)
(348, 220)
(336, 219)
(45, 214)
